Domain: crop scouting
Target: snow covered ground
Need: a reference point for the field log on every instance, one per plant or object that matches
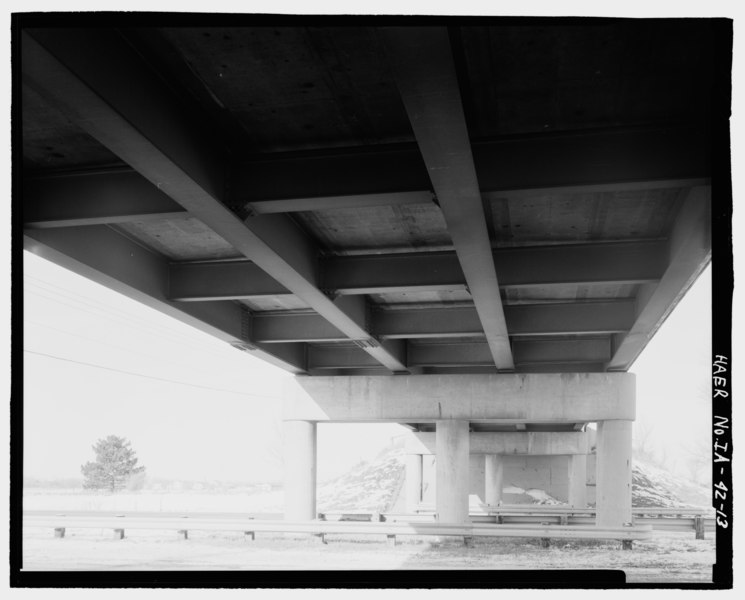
(374, 486)
(667, 558)
(183, 501)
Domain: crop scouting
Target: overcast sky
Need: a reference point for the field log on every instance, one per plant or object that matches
(97, 363)
(215, 416)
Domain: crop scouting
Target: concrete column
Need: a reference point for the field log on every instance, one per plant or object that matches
(613, 489)
(476, 477)
(578, 480)
(413, 482)
(452, 466)
(300, 470)
(494, 479)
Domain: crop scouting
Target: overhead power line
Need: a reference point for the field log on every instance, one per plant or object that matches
(129, 320)
(131, 373)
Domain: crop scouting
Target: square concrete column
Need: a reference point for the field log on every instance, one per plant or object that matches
(613, 487)
(413, 482)
(494, 472)
(300, 470)
(476, 477)
(578, 480)
(452, 465)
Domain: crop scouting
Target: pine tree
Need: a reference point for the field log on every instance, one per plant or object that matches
(115, 464)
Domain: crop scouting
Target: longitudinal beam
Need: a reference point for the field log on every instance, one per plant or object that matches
(689, 253)
(126, 267)
(98, 81)
(446, 321)
(423, 66)
(424, 70)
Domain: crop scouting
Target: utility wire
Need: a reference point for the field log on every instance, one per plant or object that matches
(100, 307)
(194, 385)
(132, 322)
(128, 350)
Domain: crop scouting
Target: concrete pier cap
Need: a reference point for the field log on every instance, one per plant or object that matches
(503, 398)
(537, 443)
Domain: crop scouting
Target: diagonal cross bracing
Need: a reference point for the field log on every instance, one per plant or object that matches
(96, 79)
(424, 70)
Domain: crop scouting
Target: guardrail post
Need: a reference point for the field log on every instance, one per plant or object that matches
(699, 525)
(251, 533)
(545, 542)
(59, 532)
(391, 540)
(322, 537)
(118, 534)
(184, 533)
(627, 544)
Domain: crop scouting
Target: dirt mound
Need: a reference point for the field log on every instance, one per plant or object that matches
(374, 487)
(652, 485)
(368, 487)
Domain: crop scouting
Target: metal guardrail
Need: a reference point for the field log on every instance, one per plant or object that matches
(680, 519)
(562, 509)
(183, 524)
(672, 524)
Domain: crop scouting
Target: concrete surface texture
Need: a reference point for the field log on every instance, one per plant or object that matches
(551, 398)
